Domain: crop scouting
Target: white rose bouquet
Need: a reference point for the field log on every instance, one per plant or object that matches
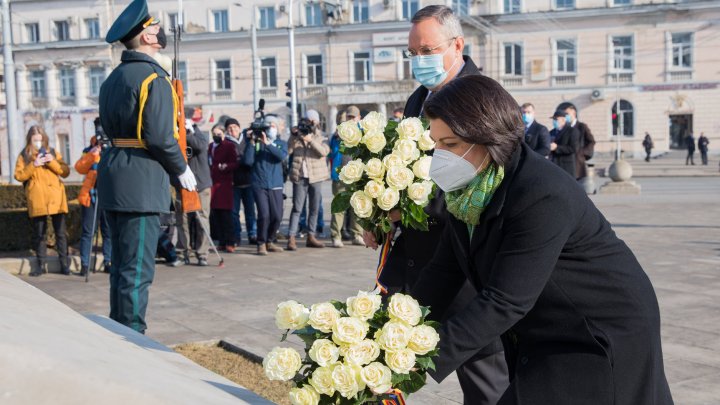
(356, 352)
(389, 170)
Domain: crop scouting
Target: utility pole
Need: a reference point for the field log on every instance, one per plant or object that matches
(255, 68)
(293, 82)
(10, 93)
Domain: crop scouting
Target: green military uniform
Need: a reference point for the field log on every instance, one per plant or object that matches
(138, 110)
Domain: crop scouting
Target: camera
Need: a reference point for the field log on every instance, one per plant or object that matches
(259, 125)
(305, 127)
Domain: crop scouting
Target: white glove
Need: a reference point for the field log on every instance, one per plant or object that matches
(187, 180)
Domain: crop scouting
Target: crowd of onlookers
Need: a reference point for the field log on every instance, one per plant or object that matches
(241, 176)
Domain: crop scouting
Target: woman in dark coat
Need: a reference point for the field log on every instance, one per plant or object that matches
(577, 314)
(222, 157)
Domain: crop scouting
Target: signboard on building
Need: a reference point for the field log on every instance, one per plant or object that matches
(384, 55)
(676, 87)
(537, 70)
(390, 38)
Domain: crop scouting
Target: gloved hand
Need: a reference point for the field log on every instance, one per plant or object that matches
(187, 180)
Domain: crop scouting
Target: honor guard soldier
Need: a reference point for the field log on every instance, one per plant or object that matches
(138, 110)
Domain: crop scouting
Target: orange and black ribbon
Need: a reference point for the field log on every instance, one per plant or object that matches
(396, 400)
(384, 254)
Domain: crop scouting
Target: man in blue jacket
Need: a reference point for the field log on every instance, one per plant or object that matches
(265, 154)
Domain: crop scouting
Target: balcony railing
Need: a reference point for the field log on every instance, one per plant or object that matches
(681, 76)
(512, 81)
(361, 92)
(270, 92)
(567, 80)
(618, 78)
(220, 95)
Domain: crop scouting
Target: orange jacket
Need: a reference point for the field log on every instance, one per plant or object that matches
(84, 166)
(44, 190)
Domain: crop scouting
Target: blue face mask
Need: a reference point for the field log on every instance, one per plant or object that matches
(272, 134)
(528, 119)
(556, 125)
(568, 118)
(429, 70)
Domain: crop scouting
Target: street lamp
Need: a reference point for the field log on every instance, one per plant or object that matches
(291, 41)
(10, 94)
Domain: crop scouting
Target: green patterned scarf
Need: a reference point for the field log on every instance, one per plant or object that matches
(468, 204)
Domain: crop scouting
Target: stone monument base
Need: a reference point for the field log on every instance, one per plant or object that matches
(620, 188)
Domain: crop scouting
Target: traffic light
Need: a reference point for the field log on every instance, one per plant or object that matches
(288, 88)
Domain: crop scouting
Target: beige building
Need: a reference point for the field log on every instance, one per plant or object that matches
(657, 58)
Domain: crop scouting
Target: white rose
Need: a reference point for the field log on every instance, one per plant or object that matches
(420, 192)
(364, 305)
(388, 199)
(394, 335)
(324, 352)
(410, 128)
(378, 377)
(393, 160)
(282, 363)
(421, 168)
(407, 150)
(349, 133)
(374, 189)
(361, 353)
(323, 316)
(362, 204)
(352, 172)
(347, 380)
(349, 330)
(404, 308)
(374, 168)
(307, 395)
(399, 177)
(374, 121)
(423, 339)
(400, 361)
(375, 141)
(291, 315)
(426, 143)
(322, 380)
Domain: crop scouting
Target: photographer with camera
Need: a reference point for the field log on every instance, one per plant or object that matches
(308, 170)
(87, 165)
(264, 154)
(242, 185)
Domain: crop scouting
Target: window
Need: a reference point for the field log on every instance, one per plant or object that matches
(62, 31)
(33, 32)
(37, 84)
(313, 15)
(361, 63)
(513, 59)
(361, 11)
(625, 120)
(267, 18)
(67, 83)
(565, 50)
(223, 80)
(461, 7)
(315, 69)
(64, 144)
(511, 6)
(622, 53)
(92, 28)
(410, 7)
(97, 77)
(564, 3)
(173, 19)
(682, 50)
(622, 2)
(407, 73)
(268, 77)
(221, 20)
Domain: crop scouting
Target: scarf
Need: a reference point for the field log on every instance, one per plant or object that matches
(468, 204)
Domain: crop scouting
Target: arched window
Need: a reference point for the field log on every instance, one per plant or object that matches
(626, 119)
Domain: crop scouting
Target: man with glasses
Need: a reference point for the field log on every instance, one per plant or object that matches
(435, 48)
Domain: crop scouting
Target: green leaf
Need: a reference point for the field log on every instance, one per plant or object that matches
(425, 363)
(340, 306)
(399, 378)
(425, 311)
(284, 336)
(361, 398)
(433, 324)
(341, 202)
(413, 384)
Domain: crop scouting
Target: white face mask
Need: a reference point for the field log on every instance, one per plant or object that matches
(452, 172)
(37, 144)
(272, 134)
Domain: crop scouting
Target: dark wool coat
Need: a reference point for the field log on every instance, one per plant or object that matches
(538, 139)
(568, 144)
(577, 314)
(221, 195)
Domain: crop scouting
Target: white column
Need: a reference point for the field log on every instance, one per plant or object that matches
(382, 108)
(51, 85)
(332, 120)
(81, 86)
(23, 88)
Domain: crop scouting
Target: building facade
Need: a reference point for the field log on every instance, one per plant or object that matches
(655, 58)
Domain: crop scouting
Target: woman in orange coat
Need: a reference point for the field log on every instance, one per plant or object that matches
(39, 168)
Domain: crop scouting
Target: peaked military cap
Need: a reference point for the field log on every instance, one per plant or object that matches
(130, 22)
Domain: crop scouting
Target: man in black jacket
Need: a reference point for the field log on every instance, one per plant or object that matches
(586, 141)
(197, 147)
(242, 186)
(537, 136)
(437, 31)
(565, 145)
